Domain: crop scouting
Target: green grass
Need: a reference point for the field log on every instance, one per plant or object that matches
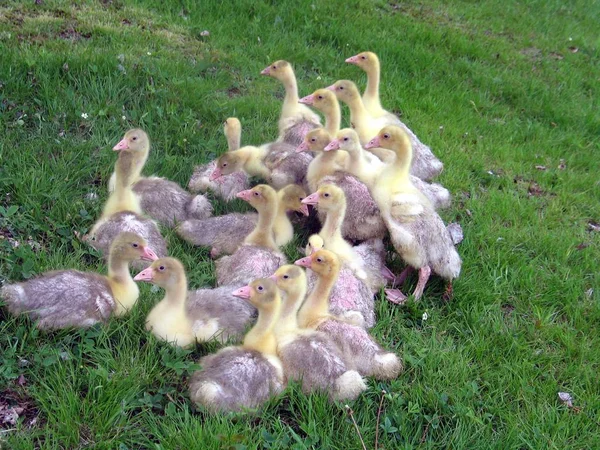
(492, 86)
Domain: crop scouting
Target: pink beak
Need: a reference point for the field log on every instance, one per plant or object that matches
(243, 292)
(266, 71)
(304, 210)
(145, 275)
(308, 100)
(312, 199)
(149, 254)
(373, 143)
(333, 145)
(122, 145)
(274, 278)
(331, 88)
(304, 262)
(216, 174)
(245, 195)
(352, 59)
(302, 147)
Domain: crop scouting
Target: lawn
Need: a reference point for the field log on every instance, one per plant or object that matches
(506, 93)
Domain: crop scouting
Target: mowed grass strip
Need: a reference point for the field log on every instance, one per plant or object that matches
(505, 93)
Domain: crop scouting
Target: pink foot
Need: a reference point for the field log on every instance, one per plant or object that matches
(424, 274)
(400, 279)
(395, 296)
(387, 274)
(448, 293)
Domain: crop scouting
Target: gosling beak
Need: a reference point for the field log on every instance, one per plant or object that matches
(243, 292)
(215, 174)
(352, 59)
(266, 71)
(373, 143)
(302, 147)
(331, 88)
(145, 275)
(122, 145)
(304, 210)
(333, 145)
(245, 195)
(312, 199)
(308, 100)
(274, 278)
(304, 262)
(148, 254)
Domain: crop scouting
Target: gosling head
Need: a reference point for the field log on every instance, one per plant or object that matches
(135, 140)
(260, 196)
(130, 247)
(346, 139)
(291, 197)
(261, 293)
(226, 164)
(164, 272)
(315, 141)
(345, 90)
(393, 138)
(290, 279)
(232, 126)
(315, 243)
(328, 197)
(364, 60)
(321, 99)
(279, 70)
(322, 262)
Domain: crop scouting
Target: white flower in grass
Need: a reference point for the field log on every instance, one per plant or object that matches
(319, 77)
(123, 118)
(149, 54)
(425, 316)
(84, 115)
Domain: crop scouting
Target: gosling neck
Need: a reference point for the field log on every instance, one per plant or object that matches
(402, 162)
(176, 294)
(333, 118)
(358, 112)
(316, 305)
(373, 75)
(234, 139)
(262, 235)
(332, 228)
(252, 161)
(288, 319)
(118, 269)
(291, 91)
(261, 337)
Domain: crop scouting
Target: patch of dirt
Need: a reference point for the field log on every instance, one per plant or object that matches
(532, 187)
(533, 53)
(16, 405)
(234, 92)
(507, 309)
(71, 34)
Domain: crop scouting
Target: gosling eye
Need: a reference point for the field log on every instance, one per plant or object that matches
(386, 136)
(326, 194)
(341, 88)
(274, 67)
(320, 260)
(161, 268)
(285, 277)
(363, 57)
(134, 245)
(260, 288)
(300, 198)
(134, 138)
(345, 139)
(224, 164)
(320, 97)
(313, 140)
(256, 194)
